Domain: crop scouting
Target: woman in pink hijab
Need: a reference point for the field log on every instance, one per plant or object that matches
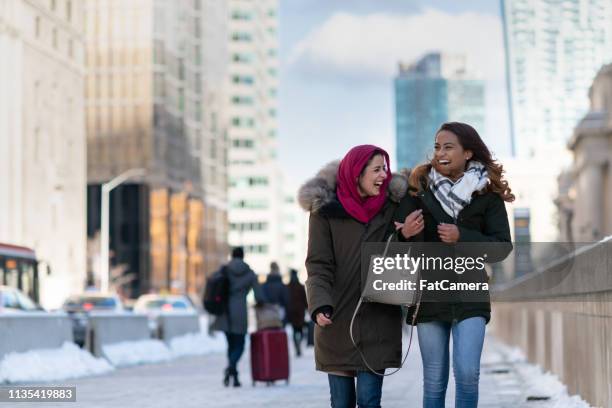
(350, 204)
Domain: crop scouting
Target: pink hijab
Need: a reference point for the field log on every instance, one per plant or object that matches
(351, 166)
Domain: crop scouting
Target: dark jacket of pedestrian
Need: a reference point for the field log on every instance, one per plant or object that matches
(242, 279)
(297, 302)
(275, 290)
(335, 278)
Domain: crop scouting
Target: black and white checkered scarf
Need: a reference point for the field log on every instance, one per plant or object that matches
(454, 196)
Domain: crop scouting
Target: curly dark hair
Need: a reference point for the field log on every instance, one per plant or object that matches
(470, 140)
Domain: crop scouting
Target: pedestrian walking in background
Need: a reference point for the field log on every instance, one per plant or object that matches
(275, 290)
(234, 322)
(296, 309)
(461, 193)
(349, 205)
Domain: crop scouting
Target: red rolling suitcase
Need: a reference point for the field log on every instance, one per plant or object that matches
(269, 356)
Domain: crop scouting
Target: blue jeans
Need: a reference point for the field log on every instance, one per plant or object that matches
(468, 338)
(235, 348)
(368, 394)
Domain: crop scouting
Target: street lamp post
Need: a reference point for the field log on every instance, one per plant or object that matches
(104, 223)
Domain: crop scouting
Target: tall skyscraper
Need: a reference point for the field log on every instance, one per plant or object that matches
(255, 189)
(554, 48)
(435, 89)
(42, 139)
(153, 103)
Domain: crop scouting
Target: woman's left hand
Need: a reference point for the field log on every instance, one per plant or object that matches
(448, 233)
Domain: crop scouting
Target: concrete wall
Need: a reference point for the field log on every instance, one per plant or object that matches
(32, 331)
(110, 328)
(562, 319)
(177, 324)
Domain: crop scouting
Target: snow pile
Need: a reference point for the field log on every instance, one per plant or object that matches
(197, 344)
(67, 362)
(538, 383)
(129, 353)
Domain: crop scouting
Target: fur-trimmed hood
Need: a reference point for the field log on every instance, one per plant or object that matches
(320, 191)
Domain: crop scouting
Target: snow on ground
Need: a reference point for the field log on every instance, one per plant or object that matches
(67, 362)
(535, 382)
(70, 361)
(129, 353)
(196, 382)
(197, 344)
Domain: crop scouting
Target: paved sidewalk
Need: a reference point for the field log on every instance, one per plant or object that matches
(196, 382)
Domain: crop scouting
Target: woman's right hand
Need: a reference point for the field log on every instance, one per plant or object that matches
(413, 224)
(323, 320)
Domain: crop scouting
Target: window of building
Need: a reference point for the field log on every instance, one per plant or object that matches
(181, 69)
(54, 38)
(249, 226)
(71, 48)
(242, 100)
(197, 28)
(241, 15)
(243, 122)
(242, 58)
(252, 204)
(243, 143)
(37, 27)
(243, 79)
(242, 37)
(256, 249)
(53, 5)
(181, 99)
(69, 10)
(258, 181)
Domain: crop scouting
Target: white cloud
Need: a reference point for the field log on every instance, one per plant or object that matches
(370, 46)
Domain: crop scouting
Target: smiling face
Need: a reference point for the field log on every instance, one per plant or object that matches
(372, 177)
(449, 156)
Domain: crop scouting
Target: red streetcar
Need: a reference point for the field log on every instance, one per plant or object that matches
(19, 269)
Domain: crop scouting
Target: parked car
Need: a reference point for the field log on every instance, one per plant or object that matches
(12, 300)
(154, 305)
(79, 306)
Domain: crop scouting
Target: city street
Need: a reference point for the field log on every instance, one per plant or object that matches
(196, 382)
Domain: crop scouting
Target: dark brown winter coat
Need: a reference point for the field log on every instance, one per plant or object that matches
(335, 279)
(297, 303)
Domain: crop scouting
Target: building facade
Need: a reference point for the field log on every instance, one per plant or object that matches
(553, 51)
(435, 89)
(585, 198)
(42, 139)
(255, 180)
(150, 104)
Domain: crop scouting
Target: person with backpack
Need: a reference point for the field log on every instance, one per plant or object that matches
(233, 320)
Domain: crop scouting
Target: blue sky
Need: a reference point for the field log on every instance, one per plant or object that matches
(338, 60)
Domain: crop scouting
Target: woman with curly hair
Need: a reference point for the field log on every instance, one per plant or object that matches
(461, 193)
